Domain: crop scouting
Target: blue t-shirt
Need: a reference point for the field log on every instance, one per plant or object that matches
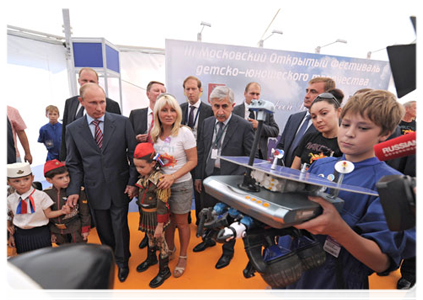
(51, 137)
(365, 215)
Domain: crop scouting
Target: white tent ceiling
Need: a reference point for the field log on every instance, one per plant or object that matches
(366, 25)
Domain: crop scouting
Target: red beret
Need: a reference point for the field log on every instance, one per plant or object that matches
(52, 164)
(143, 149)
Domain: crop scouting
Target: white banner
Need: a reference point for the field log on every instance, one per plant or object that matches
(283, 75)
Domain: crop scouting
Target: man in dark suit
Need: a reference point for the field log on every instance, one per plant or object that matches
(74, 110)
(223, 134)
(142, 119)
(194, 112)
(99, 148)
(299, 124)
(270, 127)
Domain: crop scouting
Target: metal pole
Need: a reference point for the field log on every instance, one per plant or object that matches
(69, 52)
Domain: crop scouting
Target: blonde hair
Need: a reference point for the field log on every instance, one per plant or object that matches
(380, 107)
(52, 108)
(162, 100)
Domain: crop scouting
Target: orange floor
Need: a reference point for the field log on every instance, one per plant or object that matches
(200, 272)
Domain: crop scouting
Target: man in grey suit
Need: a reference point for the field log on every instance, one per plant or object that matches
(100, 145)
(142, 119)
(223, 134)
(299, 124)
(74, 110)
(194, 112)
(270, 127)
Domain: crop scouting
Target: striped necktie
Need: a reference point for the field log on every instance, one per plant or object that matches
(98, 135)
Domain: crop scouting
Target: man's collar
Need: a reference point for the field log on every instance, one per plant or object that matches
(197, 104)
(227, 120)
(90, 119)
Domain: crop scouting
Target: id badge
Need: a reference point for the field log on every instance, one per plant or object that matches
(213, 153)
(332, 247)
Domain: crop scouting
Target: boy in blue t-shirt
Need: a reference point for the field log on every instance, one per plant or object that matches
(51, 133)
(358, 237)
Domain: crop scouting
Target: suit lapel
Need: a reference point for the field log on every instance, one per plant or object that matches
(232, 125)
(109, 128)
(85, 133)
(73, 109)
(184, 113)
(209, 133)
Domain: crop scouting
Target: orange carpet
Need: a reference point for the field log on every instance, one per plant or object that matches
(200, 272)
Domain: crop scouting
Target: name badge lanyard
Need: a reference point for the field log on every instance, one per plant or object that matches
(196, 116)
(218, 137)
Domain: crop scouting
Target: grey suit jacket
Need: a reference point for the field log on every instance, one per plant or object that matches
(289, 132)
(104, 172)
(139, 120)
(270, 128)
(238, 141)
(71, 106)
(205, 112)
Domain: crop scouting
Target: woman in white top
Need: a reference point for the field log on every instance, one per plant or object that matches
(177, 144)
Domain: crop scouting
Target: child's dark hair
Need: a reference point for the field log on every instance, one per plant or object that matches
(149, 158)
(50, 174)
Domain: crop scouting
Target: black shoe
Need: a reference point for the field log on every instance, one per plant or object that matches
(384, 273)
(223, 261)
(150, 261)
(405, 284)
(144, 242)
(164, 273)
(204, 245)
(123, 273)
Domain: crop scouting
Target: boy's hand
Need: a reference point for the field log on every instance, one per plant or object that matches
(53, 238)
(85, 235)
(11, 229)
(72, 200)
(329, 222)
(132, 191)
(159, 231)
(12, 241)
(66, 209)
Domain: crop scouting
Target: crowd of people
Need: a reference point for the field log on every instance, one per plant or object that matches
(98, 160)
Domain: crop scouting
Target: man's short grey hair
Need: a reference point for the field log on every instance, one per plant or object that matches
(222, 92)
(409, 103)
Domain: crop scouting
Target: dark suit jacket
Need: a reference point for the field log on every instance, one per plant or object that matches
(71, 106)
(104, 173)
(270, 128)
(289, 133)
(205, 112)
(11, 150)
(139, 120)
(238, 141)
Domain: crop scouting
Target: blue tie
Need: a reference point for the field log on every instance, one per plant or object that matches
(298, 138)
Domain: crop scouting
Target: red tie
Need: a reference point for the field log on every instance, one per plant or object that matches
(149, 139)
(98, 135)
(24, 207)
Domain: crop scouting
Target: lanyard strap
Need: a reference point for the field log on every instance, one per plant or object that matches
(219, 136)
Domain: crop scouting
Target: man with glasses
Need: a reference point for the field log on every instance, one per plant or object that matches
(300, 123)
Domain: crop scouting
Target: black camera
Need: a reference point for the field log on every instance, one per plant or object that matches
(398, 199)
